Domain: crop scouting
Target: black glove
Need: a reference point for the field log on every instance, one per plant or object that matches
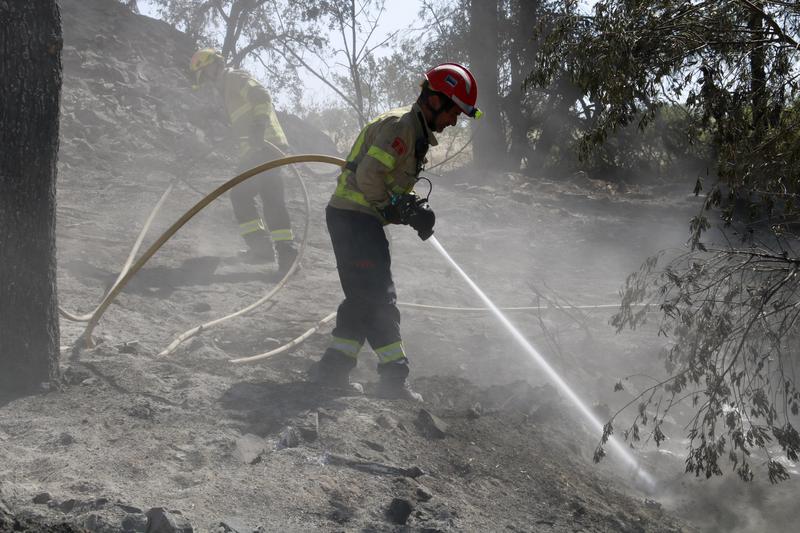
(399, 209)
(422, 219)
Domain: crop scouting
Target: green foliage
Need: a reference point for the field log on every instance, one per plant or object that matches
(667, 149)
(729, 304)
(332, 41)
(245, 28)
(733, 319)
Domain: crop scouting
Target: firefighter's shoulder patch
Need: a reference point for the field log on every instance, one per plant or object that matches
(399, 146)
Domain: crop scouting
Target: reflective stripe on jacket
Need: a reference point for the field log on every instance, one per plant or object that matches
(385, 159)
(246, 99)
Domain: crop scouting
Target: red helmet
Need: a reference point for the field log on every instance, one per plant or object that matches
(458, 83)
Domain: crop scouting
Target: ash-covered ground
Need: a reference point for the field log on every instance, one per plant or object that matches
(226, 447)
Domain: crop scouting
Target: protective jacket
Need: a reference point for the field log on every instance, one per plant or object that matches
(246, 100)
(386, 159)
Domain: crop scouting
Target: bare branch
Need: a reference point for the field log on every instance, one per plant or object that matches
(771, 22)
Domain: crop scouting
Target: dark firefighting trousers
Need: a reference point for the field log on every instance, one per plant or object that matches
(369, 311)
(269, 186)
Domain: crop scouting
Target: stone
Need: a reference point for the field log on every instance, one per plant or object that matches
(134, 522)
(74, 376)
(341, 512)
(142, 410)
(309, 427)
(652, 504)
(399, 511)
(66, 506)
(289, 438)
(475, 412)
(130, 508)
(386, 421)
(131, 347)
(96, 522)
(78, 506)
(249, 448)
(373, 445)
(65, 439)
(160, 520)
(431, 425)
(423, 494)
(42, 497)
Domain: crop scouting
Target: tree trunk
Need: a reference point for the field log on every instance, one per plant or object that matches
(522, 49)
(232, 24)
(563, 95)
(30, 88)
(489, 142)
(354, 63)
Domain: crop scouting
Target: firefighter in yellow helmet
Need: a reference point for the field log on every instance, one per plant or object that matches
(376, 188)
(253, 121)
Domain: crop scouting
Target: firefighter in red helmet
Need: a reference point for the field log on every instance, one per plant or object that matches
(376, 188)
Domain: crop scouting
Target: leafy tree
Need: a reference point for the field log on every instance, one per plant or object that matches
(730, 303)
(350, 67)
(524, 121)
(333, 41)
(242, 28)
(30, 87)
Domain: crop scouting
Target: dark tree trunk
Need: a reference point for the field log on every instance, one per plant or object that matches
(522, 49)
(30, 88)
(489, 143)
(233, 24)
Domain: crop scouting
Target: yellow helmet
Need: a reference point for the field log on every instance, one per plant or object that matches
(203, 58)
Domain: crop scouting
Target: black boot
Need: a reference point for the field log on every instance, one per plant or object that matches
(393, 384)
(397, 390)
(259, 248)
(287, 253)
(333, 370)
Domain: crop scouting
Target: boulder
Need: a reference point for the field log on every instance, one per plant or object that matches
(430, 425)
(290, 438)
(160, 520)
(399, 511)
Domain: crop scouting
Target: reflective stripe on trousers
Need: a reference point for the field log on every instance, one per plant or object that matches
(369, 312)
(390, 352)
(349, 347)
(281, 235)
(251, 226)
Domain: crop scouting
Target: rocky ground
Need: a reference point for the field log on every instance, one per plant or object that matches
(192, 440)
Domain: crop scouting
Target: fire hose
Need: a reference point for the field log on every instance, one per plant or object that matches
(85, 340)
(129, 271)
(74, 317)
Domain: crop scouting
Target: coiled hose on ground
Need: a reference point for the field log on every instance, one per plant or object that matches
(85, 340)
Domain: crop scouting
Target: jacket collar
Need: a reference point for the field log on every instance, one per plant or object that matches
(422, 126)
